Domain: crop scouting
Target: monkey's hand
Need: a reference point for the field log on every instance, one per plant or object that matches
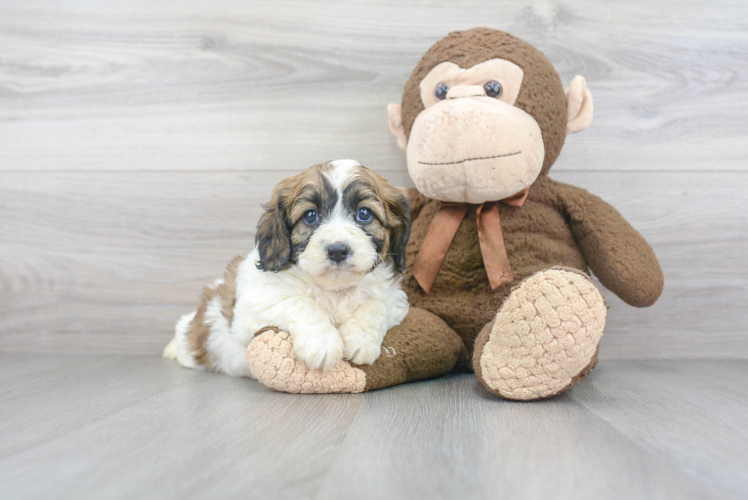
(615, 251)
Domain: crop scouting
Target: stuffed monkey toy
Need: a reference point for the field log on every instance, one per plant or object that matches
(499, 253)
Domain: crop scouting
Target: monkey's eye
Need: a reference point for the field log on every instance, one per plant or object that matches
(363, 215)
(440, 91)
(493, 88)
(310, 217)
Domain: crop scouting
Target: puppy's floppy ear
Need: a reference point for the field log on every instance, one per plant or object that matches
(273, 238)
(398, 219)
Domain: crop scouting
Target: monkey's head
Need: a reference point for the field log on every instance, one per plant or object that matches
(483, 115)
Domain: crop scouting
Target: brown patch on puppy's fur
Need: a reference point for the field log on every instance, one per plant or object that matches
(281, 233)
(272, 238)
(198, 331)
(390, 226)
(227, 290)
(316, 192)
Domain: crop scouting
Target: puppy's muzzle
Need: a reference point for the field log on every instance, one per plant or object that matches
(338, 252)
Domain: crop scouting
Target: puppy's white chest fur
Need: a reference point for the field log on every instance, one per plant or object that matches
(339, 304)
(267, 299)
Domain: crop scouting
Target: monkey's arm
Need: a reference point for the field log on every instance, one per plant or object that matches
(615, 251)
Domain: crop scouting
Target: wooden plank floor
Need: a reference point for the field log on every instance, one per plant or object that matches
(84, 426)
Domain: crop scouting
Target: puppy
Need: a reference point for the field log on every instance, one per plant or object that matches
(326, 267)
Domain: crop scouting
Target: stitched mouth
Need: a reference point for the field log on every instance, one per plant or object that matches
(470, 159)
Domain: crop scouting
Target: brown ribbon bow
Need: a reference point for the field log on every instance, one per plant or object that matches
(442, 231)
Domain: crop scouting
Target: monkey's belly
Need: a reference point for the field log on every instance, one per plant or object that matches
(461, 294)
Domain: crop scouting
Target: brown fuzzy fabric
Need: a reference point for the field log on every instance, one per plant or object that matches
(541, 95)
(559, 225)
(616, 253)
(421, 347)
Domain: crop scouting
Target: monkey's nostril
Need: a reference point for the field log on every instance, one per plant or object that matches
(338, 252)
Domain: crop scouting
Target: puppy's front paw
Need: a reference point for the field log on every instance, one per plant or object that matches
(360, 346)
(319, 347)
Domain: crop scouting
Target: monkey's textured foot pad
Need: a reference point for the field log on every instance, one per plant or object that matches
(544, 338)
(273, 363)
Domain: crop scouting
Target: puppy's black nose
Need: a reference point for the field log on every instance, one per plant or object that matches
(338, 252)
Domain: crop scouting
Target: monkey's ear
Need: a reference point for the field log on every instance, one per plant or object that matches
(273, 236)
(396, 124)
(578, 105)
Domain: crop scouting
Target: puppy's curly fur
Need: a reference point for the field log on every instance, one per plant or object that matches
(326, 267)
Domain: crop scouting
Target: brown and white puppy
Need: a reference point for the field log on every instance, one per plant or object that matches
(326, 268)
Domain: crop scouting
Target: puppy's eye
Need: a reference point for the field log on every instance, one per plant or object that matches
(311, 217)
(363, 215)
(440, 91)
(493, 89)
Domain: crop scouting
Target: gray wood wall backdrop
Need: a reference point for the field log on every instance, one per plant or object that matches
(138, 139)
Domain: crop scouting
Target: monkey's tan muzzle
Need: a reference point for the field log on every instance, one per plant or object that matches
(470, 148)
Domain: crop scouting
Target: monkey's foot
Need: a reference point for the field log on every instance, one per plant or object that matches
(273, 363)
(544, 338)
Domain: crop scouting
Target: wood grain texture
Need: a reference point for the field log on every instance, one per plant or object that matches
(633, 429)
(106, 262)
(219, 85)
(138, 440)
(27, 419)
(695, 414)
(451, 439)
(138, 141)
